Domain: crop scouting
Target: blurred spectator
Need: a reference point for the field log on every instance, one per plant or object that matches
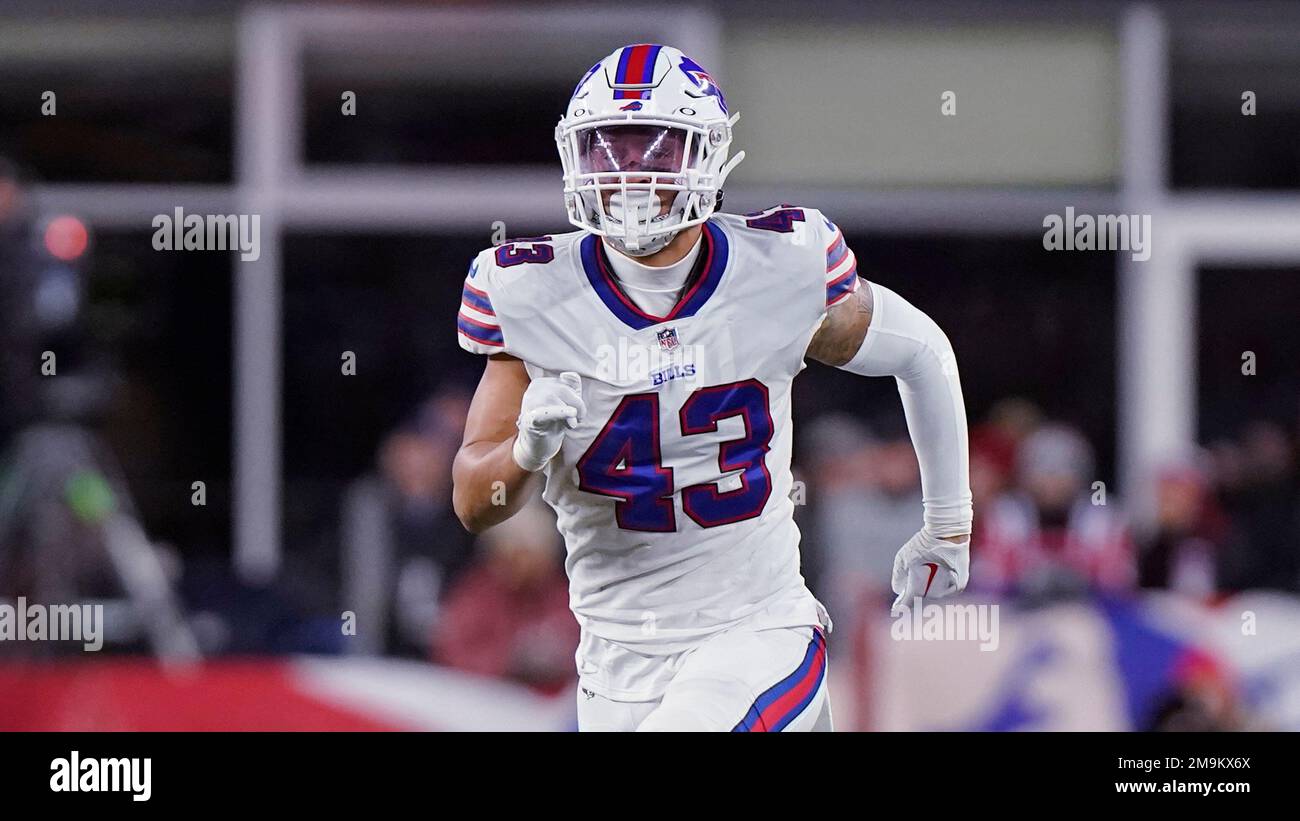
(992, 464)
(1182, 551)
(402, 544)
(1261, 495)
(866, 503)
(1055, 533)
(1012, 421)
(509, 615)
(993, 447)
(830, 464)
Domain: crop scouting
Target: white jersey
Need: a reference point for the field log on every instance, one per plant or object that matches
(673, 494)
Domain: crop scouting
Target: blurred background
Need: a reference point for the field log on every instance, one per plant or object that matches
(1135, 425)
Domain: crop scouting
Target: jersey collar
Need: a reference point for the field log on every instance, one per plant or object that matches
(713, 259)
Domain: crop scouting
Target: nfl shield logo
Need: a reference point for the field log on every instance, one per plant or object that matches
(668, 339)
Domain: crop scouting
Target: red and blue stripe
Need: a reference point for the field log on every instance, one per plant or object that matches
(841, 285)
(479, 331)
(835, 253)
(480, 326)
(476, 299)
(838, 255)
(636, 67)
(784, 701)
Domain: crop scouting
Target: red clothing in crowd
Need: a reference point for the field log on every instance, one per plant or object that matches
(1011, 547)
(492, 627)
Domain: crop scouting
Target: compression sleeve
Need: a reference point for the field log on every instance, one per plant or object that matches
(905, 343)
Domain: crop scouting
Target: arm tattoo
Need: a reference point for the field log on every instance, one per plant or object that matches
(840, 336)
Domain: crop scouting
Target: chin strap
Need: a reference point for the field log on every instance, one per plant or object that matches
(637, 246)
(632, 241)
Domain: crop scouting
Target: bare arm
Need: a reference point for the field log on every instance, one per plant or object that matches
(485, 454)
(845, 327)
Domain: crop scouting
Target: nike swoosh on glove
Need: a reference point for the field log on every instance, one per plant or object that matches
(929, 566)
(550, 407)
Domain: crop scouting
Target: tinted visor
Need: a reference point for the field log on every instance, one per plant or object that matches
(617, 149)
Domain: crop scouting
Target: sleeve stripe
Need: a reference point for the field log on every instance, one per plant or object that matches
(838, 240)
(477, 316)
(835, 254)
(842, 287)
(476, 340)
(478, 308)
(846, 263)
(841, 298)
(835, 283)
(476, 299)
(478, 331)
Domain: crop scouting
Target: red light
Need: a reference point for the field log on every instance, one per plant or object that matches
(66, 238)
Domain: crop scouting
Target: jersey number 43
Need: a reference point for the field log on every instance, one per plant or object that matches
(625, 461)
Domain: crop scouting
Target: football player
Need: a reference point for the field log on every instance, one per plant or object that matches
(642, 367)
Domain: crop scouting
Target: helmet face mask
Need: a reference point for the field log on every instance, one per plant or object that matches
(634, 147)
(643, 160)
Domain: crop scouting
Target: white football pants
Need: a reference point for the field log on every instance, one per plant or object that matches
(770, 680)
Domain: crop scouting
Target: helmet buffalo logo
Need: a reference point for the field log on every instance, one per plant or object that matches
(584, 80)
(702, 81)
(635, 105)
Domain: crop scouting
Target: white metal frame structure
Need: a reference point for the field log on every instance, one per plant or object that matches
(1156, 371)
(273, 182)
(1157, 411)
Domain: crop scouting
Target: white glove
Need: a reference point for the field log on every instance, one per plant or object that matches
(551, 405)
(929, 566)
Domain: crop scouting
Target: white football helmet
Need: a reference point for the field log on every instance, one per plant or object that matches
(644, 146)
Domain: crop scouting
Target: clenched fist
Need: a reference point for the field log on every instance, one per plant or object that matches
(929, 566)
(550, 407)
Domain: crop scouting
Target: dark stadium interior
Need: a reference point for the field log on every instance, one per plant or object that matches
(364, 457)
